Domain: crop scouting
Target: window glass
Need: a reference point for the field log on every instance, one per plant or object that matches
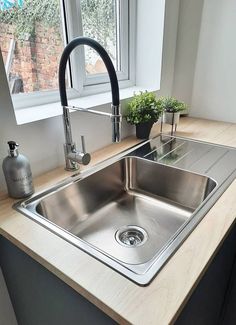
(100, 21)
(31, 41)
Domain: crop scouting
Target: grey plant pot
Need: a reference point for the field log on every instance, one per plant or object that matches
(143, 130)
(171, 118)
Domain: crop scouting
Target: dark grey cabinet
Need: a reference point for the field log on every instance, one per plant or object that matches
(214, 299)
(39, 297)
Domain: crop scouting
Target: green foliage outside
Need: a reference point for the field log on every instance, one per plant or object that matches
(171, 105)
(24, 19)
(142, 108)
(99, 20)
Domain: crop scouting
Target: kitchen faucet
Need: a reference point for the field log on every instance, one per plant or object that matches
(73, 156)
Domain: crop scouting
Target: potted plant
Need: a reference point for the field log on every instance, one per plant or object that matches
(143, 111)
(171, 108)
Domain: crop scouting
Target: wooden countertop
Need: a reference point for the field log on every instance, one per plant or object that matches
(124, 301)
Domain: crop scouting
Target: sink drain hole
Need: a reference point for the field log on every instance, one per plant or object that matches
(131, 236)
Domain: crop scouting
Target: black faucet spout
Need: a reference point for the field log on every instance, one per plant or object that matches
(106, 59)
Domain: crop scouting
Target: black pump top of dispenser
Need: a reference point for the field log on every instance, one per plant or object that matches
(13, 148)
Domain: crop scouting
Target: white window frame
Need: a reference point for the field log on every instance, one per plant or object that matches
(82, 86)
(92, 84)
(123, 48)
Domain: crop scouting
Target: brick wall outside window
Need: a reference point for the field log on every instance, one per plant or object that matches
(36, 60)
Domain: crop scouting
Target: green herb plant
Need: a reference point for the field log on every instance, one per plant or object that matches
(171, 105)
(144, 107)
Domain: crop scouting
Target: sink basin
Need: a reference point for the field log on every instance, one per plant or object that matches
(124, 214)
(128, 210)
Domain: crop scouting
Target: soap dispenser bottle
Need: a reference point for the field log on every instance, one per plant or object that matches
(17, 172)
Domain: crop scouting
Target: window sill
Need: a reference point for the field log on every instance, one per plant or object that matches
(41, 112)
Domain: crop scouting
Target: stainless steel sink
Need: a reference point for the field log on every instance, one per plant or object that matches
(117, 207)
(131, 212)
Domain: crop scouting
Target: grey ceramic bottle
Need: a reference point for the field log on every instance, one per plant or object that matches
(17, 172)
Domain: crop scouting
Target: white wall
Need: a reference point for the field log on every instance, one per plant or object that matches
(190, 13)
(42, 141)
(214, 84)
(7, 315)
(149, 42)
(169, 47)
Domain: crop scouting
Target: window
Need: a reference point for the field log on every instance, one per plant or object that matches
(110, 23)
(33, 34)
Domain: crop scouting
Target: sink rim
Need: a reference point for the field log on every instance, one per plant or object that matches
(160, 260)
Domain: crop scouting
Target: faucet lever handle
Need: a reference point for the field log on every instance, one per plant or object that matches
(84, 156)
(83, 143)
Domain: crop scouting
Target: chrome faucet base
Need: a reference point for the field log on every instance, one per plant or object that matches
(74, 167)
(71, 165)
